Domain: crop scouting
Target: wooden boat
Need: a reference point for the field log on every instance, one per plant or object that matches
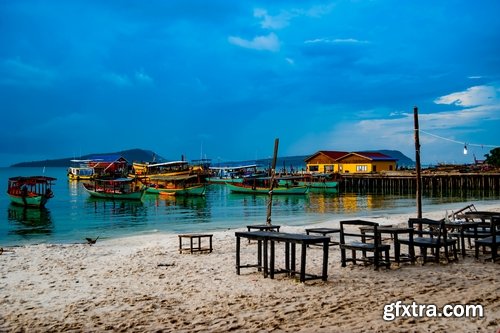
(188, 185)
(33, 191)
(115, 189)
(173, 168)
(81, 170)
(315, 182)
(260, 185)
(231, 174)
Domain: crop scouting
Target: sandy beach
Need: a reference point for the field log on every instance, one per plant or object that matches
(143, 284)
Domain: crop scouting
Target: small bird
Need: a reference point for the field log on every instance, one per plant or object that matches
(91, 241)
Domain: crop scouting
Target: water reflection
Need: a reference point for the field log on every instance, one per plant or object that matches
(29, 221)
(192, 208)
(99, 206)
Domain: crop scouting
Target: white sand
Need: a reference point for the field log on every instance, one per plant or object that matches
(143, 284)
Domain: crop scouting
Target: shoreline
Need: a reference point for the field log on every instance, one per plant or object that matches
(142, 283)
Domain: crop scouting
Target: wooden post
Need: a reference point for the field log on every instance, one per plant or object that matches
(417, 162)
(271, 186)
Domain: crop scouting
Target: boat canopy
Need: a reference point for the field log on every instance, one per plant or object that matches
(234, 168)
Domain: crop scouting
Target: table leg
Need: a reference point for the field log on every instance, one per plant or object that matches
(265, 258)
(191, 244)
(287, 257)
(237, 255)
(326, 245)
(271, 261)
(292, 259)
(397, 248)
(303, 262)
(259, 255)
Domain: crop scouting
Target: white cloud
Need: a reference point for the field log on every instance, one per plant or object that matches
(261, 43)
(473, 96)
(335, 41)
(117, 79)
(290, 61)
(18, 72)
(143, 78)
(273, 22)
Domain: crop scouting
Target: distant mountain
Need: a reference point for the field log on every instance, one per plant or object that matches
(403, 160)
(130, 155)
(134, 155)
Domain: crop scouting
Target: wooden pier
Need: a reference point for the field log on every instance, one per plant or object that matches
(432, 183)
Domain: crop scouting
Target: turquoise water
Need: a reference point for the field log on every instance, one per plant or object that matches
(72, 215)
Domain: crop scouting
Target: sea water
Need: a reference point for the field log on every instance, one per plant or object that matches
(72, 215)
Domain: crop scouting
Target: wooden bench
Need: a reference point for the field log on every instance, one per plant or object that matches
(195, 246)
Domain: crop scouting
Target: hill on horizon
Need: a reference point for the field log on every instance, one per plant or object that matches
(134, 155)
(130, 155)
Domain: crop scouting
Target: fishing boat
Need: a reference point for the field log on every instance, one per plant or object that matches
(324, 182)
(261, 185)
(232, 174)
(32, 191)
(81, 170)
(115, 189)
(188, 185)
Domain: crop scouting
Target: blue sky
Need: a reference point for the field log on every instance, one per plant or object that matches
(223, 79)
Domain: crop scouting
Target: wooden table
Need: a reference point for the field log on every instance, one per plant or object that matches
(290, 240)
(462, 226)
(324, 232)
(264, 227)
(394, 232)
(195, 247)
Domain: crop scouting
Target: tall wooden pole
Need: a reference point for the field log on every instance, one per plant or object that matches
(417, 161)
(271, 185)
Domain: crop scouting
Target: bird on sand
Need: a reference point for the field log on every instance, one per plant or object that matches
(91, 241)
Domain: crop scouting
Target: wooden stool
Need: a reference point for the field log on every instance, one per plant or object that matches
(195, 247)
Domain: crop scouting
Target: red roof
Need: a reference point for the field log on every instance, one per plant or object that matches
(333, 154)
(374, 156)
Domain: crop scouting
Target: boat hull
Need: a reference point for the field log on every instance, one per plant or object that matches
(197, 190)
(30, 201)
(117, 196)
(262, 190)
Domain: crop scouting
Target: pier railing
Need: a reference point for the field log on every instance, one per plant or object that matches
(487, 184)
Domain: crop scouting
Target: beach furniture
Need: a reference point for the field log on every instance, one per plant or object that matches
(430, 235)
(195, 243)
(266, 243)
(324, 232)
(394, 233)
(492, 241)
(354, 240)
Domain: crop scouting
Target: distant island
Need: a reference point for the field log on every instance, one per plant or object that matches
(130, 155)
(141, 155)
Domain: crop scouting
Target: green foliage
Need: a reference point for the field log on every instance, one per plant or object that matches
(493, 158)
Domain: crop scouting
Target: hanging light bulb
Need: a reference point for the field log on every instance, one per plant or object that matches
(465, 149)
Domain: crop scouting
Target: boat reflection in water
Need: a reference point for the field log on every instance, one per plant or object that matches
(115, 207)
(30, 221)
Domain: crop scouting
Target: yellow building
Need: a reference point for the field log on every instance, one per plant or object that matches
(325, 161)
(366, 162)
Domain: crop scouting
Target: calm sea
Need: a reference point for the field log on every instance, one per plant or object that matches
(72, 215)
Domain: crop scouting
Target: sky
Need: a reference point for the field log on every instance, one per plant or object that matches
(222, 79)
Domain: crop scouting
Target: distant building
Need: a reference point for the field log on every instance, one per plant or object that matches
(355, 162)
(324, 161)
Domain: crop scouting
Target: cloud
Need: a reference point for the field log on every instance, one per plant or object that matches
(335, 41)
(473, 96)
(273, 22)
(117, 79)
(17, 72)
(143, 78)
(261, 43)
(123, 80)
